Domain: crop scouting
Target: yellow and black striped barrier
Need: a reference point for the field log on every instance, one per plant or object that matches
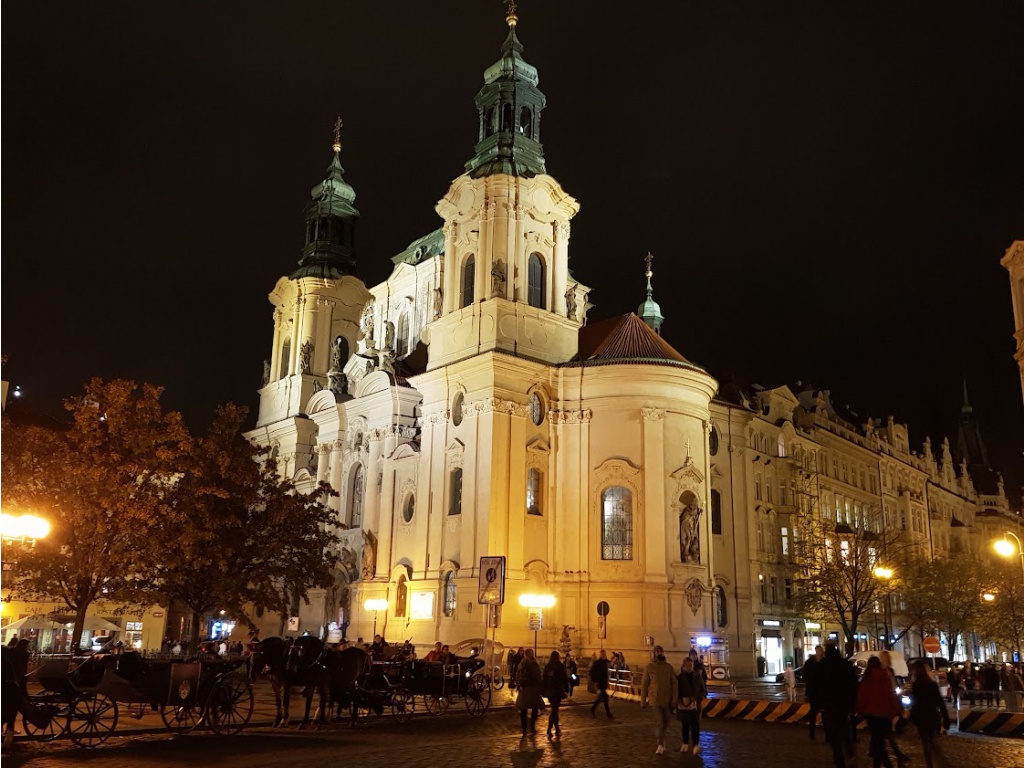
(993, 723)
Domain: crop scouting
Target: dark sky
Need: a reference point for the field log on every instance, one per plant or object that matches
(827, 187)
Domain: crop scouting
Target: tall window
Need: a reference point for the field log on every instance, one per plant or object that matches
(451, 599)
(617, 524)
(757, 487)
(402, 336)
(526, 122)
(721, 606)
(533, 492)
(535, 281)
(286, 353)
(785, 541)
(468, 280)
(716, 512)
(401, 597)
(455, 492)
(355, 504)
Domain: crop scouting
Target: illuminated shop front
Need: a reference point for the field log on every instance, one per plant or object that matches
(714, 652)
(770, 646)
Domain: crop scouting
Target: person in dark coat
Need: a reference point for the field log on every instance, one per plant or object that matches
(837, 683)
(599, 677)
(928, 711)
(529, 697)
(555, 686)
(572, 670)
(11, 699)
(988, 680)
(812, 687)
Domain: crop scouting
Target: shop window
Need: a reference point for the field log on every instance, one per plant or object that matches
(617, 524)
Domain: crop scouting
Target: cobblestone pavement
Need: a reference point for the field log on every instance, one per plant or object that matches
(455, 740)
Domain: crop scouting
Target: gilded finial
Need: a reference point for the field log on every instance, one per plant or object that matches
(510, 13)
(337, 134)
(649, 258)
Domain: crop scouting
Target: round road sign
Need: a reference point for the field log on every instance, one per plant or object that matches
(931, 644)
(602, 608)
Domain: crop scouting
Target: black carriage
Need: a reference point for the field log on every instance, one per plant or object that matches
(83, 701)
(401, 685)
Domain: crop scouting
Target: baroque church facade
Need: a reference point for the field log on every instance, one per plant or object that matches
(469, 407)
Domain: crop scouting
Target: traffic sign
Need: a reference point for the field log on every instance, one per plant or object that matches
(931, 644)
(491, 588)
(602, 608)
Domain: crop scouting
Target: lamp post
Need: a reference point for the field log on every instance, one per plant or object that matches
(1006, 549)
(28, 528)
(885, 574)
(375, 604)
(536, 604)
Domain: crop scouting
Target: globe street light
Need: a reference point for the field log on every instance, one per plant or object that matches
(536, 605)
(1005, 548)
(885, 574)
(375, 604)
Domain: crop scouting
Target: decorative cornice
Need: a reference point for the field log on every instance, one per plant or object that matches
(652, 414)
(497, 405)
(570, 417)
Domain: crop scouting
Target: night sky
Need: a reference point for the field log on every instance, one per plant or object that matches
(827, 188)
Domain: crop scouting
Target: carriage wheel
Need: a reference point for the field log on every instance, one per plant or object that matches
(92, 719)
(498, 681)
(58, 714)
(436, 705)
(401, 706)
(478, 695)
(230, 706)
(181, 719)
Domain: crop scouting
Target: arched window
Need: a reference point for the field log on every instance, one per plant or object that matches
(402, 336)
(535, 281)
(506, 118)
(716, 512)
(451, 594)
(468, 280)
(355, 497)
(713, 441)
(526, 122)
(488, 124)
(617, 524)
(401, 597)
(341, 343)
(455, 492)
(533, 492)
(286, 353)
(721, 607)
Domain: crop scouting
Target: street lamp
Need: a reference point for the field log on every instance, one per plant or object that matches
(375, 604)
(28, 528)
(885, 574)
(1005, 548)
(536, 604)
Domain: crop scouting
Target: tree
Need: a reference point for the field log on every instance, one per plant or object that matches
(1002, 619)
(97, 483)
(838, 580)
(949, 594)
(231, 535)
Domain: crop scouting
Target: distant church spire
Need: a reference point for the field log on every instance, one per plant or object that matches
(969, 443)
(650, 311)
(329, 250)
(509, 107)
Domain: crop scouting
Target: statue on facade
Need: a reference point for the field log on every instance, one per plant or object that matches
(689, 532)
(317, 387)
(306, 356)
(570, 302)
(337, 382)
(266, 372)
(389, 335)
(498, 279)
(438, 303)
(336, 355)
(369, 555)
(349, 565)
(366, 322)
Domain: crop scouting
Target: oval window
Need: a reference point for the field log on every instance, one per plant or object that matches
(536, 409)
(713, 442)
(409, 508)
(457, 409)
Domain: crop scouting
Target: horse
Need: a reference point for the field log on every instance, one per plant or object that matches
(348, 670)
(300, 664)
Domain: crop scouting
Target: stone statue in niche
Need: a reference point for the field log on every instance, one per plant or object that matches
(337, 382)
(369, 555)
(498, 279)
(306, 356)
(366, 322)
(336, 355)
(689, 530)
(438, 303)
(266, 372)
(389, 335)
(570, 303)
(317, 387)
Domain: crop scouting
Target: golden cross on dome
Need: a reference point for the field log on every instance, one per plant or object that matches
(510, 13)
(337, 134)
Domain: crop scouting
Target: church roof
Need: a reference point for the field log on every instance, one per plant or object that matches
(623, 340)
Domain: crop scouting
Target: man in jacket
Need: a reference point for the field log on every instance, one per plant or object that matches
(660, 686)
(837, 682)
(599, 677)
(812, 687)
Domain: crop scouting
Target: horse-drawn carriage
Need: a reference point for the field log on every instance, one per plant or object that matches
(401, 684)
(83, 701)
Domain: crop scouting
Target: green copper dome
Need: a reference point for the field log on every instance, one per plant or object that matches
(329, 250)
(650, 311)
(509, 106)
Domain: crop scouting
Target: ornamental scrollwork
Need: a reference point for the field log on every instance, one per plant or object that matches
(652, 414)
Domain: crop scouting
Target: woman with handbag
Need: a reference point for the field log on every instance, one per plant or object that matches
(692, 693)
(556, 682)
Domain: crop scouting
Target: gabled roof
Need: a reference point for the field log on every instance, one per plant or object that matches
(625, 339)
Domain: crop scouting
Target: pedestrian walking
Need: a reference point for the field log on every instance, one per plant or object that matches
(556, 685)
(690, 705)
(790, 677)
(837, 683)
(529, 700)
(877, 703)
(572, 670)
(599, 677)
(901, 757)
(928, 712)
(699, 665)
(659, 686)
(812, 688)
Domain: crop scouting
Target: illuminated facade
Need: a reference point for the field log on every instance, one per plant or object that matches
(1013, 260)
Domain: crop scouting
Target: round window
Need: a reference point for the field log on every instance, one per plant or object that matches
(409, 508)
(457, 409)
(536, 409)
(713, 442)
